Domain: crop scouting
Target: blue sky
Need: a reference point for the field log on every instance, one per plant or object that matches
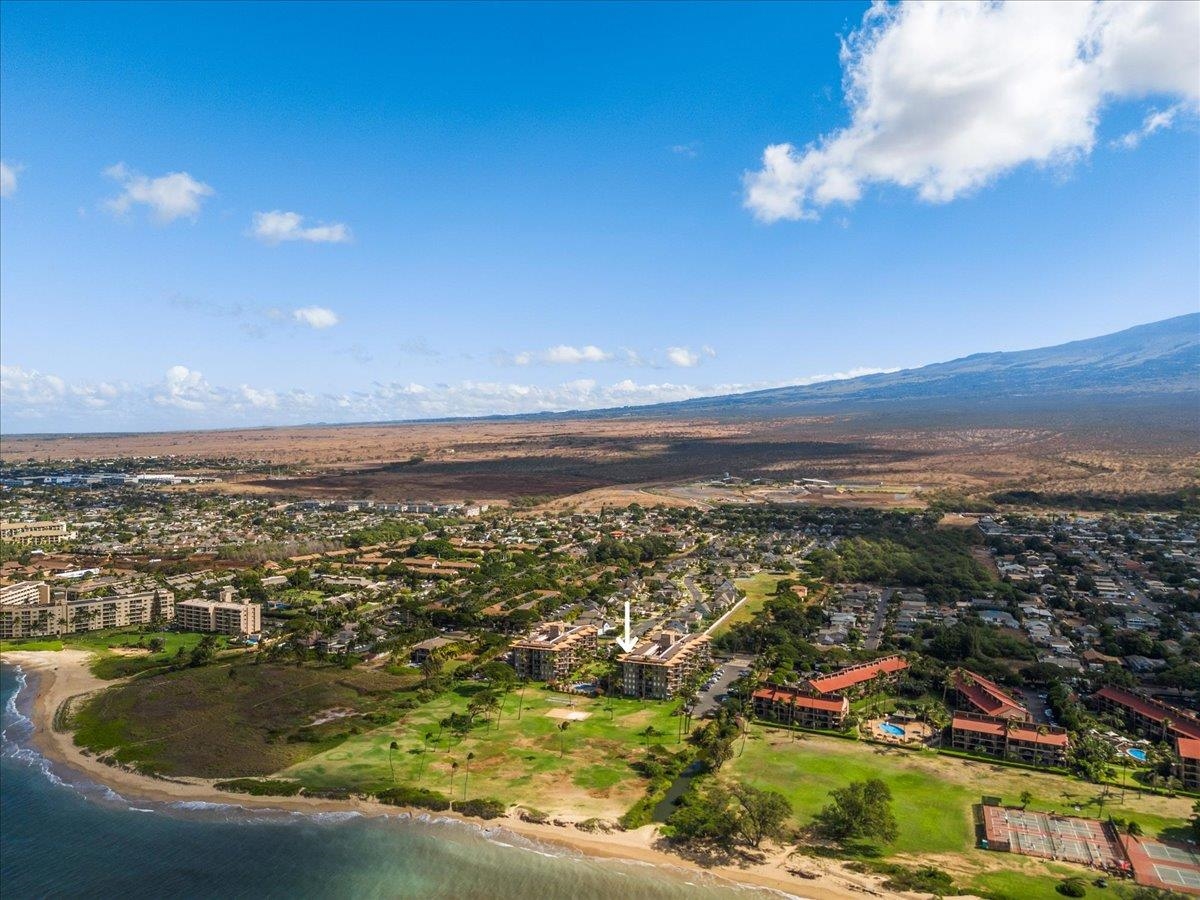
(217, 214)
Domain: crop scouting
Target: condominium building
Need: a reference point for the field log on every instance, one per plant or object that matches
(64, 612)
(1189, 762)
(1009, 738)
(1147, 716)
(789, 706)
(32, 532)
(553, 651)
(24, 592)
(975, 694)
(227, 615)
(659, 667)
(859, 677)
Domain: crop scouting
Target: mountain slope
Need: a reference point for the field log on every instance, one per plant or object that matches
(1155, 363)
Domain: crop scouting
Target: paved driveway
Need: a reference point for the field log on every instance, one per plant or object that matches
(708, 702)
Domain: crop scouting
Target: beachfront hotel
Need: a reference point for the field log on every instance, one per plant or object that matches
(1009, 738)
(858, 678)
(659, 667)
(789, 706)
(41, 612)
(226, 615)
(552, 651)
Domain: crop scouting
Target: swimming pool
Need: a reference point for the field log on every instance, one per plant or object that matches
(1139, 755)
(891, 729)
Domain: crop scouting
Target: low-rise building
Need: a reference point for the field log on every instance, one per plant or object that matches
(1009, 738)
(976, 694)
(1145, 715)
(789, 706)
(1189, 762)
(554, 650)
(859, 677)
(32, 532)
(659, 667)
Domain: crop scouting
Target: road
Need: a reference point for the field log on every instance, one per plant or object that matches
(875, 635)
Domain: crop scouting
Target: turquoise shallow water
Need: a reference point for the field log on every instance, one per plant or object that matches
(62, 836)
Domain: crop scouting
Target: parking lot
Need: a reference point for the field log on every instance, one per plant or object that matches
(730, 672)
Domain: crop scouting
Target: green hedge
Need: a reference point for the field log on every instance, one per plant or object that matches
(260, 787)
(414, 796)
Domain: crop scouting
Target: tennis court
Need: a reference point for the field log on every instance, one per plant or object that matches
(1172, 866)
(1084, 841)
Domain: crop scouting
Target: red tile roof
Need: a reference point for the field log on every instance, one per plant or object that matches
(987, 696)
(853, 675)
(1182, 723)
(802, 701)
(1188, 748)
(995, 727)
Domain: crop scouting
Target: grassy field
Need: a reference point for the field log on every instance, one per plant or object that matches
(119, 651)
(529, 759)
(235, 719)
(757, 589)
(933, 796)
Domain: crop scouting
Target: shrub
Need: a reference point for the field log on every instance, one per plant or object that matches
(422, 798)
(483, 808)
(260, 787)
(528, 814)
(1071, 887)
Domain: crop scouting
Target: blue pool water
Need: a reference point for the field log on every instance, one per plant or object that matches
(1139, 755)
(892, 729)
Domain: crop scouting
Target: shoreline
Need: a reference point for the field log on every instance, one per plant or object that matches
(60, 675)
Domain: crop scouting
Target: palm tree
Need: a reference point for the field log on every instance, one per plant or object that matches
(521, 703)
(453, 770)
(562, 738)
(467, 775)
(424, 756)
(392, 748)
(1010, 725)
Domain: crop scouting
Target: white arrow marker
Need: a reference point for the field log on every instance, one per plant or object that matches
(626, 643)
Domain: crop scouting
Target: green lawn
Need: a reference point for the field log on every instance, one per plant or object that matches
(757, 589)
(585, 768)
(933, 795)
(934, 816)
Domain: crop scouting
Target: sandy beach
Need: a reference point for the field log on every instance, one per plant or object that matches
(64, 674)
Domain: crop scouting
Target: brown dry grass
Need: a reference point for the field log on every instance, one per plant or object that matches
(589, 463)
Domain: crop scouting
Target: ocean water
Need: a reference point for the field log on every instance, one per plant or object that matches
(64, 836)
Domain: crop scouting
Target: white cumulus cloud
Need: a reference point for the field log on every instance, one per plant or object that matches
(945, 96)
(8, 178)
(682, 357)
(169, 197)
(277, 226)
(317, 317)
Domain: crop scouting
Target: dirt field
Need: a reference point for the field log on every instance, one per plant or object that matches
(586, 460)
